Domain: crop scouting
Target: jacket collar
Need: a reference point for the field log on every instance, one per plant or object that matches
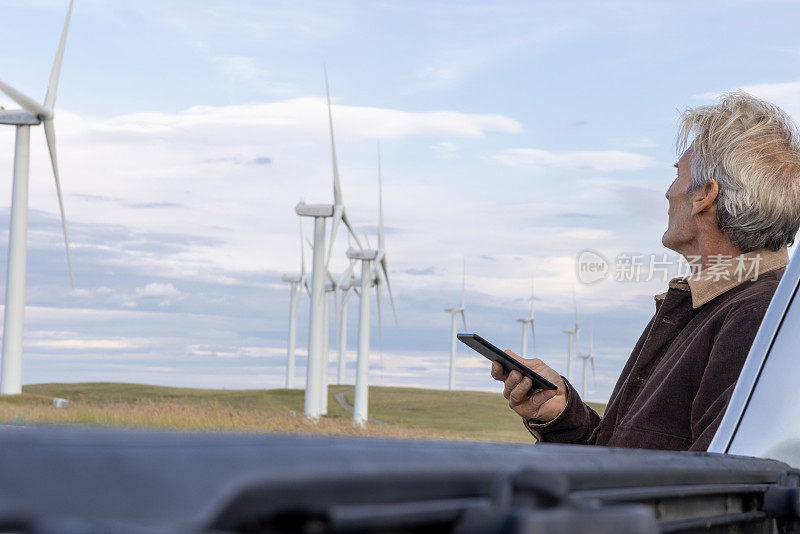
(727, 272)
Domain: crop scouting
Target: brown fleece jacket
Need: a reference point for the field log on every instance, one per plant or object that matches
(674, 389)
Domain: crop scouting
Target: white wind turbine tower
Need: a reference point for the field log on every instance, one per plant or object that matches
(454, 313)
(525, 321)
(574, 338)
(296, 281)
(373, 267)
(31, 114)
(587, 358)
(313, 402)
(330, 292)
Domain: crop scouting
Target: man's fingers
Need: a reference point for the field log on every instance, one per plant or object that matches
(513, 380)
(543, 395)
(520, 392)
(499, 372)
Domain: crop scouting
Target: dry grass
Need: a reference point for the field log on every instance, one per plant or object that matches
(410, 413)
(193, 415)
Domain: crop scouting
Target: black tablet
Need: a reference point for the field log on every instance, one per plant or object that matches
(483, 347)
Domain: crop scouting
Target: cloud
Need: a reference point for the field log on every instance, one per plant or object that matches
(600, 161)
(167, 292)
(294, 120)
(150, 205)
(785, 95)
(157, 290)
(445, 149)
(243, 74)
(642, 202)
(641, 142)
(426, 271)
(85, 344)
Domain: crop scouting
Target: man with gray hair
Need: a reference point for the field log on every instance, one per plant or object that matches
(733, 209)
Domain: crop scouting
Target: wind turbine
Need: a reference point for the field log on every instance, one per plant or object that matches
(525, 321)
(454, 313)
(316, 344)
(373, 266)
(295, 281)
(574, 338)
(346, 286)
(587, 358)
(31, 114)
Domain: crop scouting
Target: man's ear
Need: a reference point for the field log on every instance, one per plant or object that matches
(703, 198)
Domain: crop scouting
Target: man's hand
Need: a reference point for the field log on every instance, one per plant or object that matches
(540, 404)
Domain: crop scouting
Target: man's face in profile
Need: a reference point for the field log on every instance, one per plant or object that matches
(681, 229)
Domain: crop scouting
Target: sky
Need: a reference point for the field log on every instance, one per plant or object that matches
(514, 135)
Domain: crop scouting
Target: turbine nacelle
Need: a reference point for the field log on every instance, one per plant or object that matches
(18, 117)
(313, 210)
(362, 254)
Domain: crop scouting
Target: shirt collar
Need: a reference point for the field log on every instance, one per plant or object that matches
(726, 272)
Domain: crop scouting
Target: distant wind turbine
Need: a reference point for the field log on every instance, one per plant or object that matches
(574, 333)
(31, 114)
(346, 286)
(454, 313)
(525, 321)
(588, 358)
(374, 268)
(316, 368)
(295, 281)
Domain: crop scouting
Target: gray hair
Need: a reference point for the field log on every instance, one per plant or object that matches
(751, 149)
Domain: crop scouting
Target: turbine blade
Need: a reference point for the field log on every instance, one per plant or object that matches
(337, 190)
(346, 273)
(575, 306)
(346, 297)
(50, 99)
(27, 103)
(463, 280)
(531, 298)
(50, 134)
(302, 253)
(464, 319)
(380, 201)
(336, 305)
(338, 212)
(385, 269)
(533, 337)
(346, 222)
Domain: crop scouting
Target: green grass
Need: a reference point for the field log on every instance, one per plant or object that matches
(408, 412)
(473, 414)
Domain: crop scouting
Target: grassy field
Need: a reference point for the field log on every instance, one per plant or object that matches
(405, 412)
